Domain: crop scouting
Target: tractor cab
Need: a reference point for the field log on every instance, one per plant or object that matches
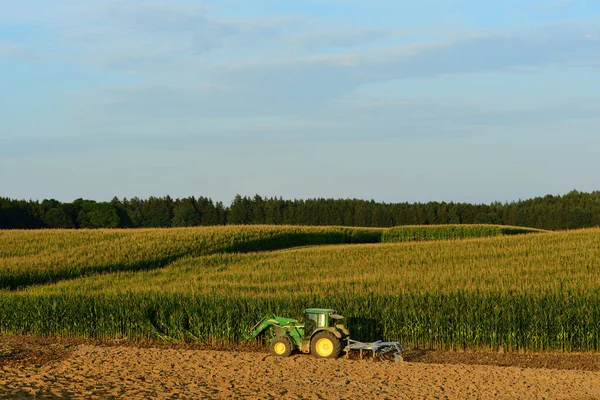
(323, 332)
(319, 318)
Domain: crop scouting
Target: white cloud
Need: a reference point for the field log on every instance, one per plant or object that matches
(192, 64)
(198, 93)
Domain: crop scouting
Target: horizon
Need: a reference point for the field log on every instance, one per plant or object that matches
(228, 203)
(395, 101)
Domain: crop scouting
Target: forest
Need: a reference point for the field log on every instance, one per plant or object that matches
(570, 211)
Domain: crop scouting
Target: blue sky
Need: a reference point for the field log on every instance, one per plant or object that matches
(395, 101)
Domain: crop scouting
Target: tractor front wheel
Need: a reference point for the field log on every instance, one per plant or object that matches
(281, 346)
(325, 345)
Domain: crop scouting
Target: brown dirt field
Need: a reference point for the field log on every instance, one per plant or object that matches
(33, 367)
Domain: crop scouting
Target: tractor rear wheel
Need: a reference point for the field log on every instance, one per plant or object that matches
(325, 345)
(281, 346)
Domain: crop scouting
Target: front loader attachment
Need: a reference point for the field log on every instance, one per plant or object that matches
(269, 321)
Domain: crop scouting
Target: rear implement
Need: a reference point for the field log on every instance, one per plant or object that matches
(377, 350)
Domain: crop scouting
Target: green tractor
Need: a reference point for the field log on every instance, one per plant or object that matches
(321, 333)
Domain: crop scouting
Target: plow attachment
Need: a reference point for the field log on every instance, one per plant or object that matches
(377, 350)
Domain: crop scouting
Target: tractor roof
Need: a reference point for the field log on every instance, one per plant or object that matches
(320, 311)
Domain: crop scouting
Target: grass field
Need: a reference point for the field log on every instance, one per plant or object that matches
(208, 285)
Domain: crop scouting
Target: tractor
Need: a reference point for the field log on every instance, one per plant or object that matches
(321, 333)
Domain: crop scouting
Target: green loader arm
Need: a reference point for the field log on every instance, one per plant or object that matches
(266, 322)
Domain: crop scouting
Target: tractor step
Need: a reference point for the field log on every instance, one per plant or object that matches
(378, 350)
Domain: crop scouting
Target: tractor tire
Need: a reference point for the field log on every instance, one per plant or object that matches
(281, 346)
(325, 345)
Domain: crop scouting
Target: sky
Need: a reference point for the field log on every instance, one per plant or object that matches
(391, 100)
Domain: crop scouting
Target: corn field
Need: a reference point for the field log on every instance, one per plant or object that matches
(410, 233)
(526, 292)
(37, 257)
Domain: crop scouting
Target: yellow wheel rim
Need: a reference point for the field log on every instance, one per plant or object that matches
(324, 347)
(279, 348)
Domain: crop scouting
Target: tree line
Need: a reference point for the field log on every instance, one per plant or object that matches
(570, 211)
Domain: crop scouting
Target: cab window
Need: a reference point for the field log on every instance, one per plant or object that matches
(321, 322)
(310, 323)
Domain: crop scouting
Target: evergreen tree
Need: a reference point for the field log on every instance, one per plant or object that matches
(185, 213)
(258, 210)
(104, 215)
(157, 212)
(222, 213)
(237, 212)
(579, 217)
(120, 207)
(83, 220)
(133, 208)
(209, 213)
(57, 218)
(573, 210)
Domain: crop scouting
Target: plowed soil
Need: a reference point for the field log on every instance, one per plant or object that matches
(33, 367)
